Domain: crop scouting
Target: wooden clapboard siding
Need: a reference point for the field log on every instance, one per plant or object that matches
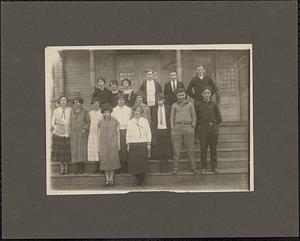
(244, 71)
(105, 65)
(58, 77)
(77, 74)
(168, 62)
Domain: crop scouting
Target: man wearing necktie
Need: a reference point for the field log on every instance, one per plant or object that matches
(171, 87)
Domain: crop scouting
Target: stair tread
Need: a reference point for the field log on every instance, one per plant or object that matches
(223, 159)
(227, 159)
(231, 140)
(125, 188)
(179, 173)
(222, 149)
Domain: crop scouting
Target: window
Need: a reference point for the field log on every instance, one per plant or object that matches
(227, 80)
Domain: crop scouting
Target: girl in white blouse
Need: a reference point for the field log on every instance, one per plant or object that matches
(60, 127)
(138, 140)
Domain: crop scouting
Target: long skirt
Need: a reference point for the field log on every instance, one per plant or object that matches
(60, 150)
(78, 145)
(138, 158)
(123, 150)
(162, 147)
(93, 146)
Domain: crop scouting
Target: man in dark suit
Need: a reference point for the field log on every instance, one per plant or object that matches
(198, 83)
(171, 87)
(162, 147)
(195, 87)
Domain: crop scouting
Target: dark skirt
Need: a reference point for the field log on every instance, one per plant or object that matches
(162, 147)
(60, 150)
(138, 158)
(123, 147)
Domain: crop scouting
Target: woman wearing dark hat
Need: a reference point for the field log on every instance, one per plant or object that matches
(101, 92)
(114, 92)
(79, 123)
(95, 117)
(109, 144)
(60, 127)
(128, 92)
(138, 140)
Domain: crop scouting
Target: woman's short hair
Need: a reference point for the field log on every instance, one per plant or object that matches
(120, 96)
(139, 93)
(128, 80)
(94, 99)
(101, 78)
(136, 106)
(113, 82)
(161, 96)
(106, 107)
(79, 99)
(180, 90)
(63, 96)
(206, 88)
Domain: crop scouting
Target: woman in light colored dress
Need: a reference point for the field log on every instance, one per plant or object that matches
(109, 144)
(95, 117)
(80, 124)
(60, 127)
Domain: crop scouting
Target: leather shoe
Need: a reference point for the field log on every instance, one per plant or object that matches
(106, 184)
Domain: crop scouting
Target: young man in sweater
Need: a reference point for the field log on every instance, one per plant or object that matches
(182, 123)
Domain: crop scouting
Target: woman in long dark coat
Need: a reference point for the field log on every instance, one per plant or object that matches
(79, 122)
(138, 140)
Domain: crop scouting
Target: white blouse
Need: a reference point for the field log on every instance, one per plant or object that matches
(138, 131)
(161, 118)
(150, 92)
(61, 121)
(123, 115)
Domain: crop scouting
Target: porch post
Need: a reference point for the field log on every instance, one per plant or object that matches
(92, 71)
(178, 64)
(60, 74)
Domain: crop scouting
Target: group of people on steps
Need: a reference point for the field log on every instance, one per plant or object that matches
(126, 128)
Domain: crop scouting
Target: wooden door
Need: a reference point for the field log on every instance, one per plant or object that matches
(134, 67)
(227, 79)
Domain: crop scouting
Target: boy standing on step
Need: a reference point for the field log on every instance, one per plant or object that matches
(209, 117)
(182, 123)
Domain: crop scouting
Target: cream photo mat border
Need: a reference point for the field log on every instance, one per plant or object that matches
(51, 55)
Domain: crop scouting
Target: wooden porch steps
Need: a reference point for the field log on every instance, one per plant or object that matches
(154, 165)
(229, 179)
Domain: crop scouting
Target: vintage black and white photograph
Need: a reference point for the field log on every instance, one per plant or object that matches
(173, 118)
